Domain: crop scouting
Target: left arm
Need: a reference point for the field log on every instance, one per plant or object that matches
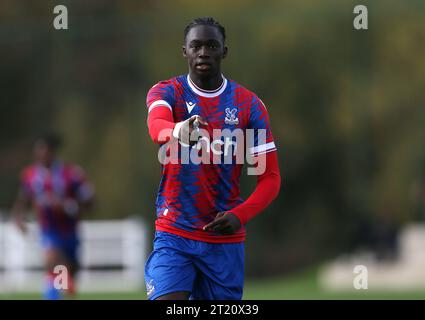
(268, 181)
(267, 189)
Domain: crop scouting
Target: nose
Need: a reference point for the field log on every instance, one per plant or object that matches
(203, 52)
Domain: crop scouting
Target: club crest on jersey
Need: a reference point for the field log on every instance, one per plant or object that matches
(231, 116)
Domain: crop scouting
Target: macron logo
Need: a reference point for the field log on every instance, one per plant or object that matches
(150, 288)
(190, 106)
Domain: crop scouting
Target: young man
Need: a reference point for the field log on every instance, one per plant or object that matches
(200, 226)
(57, 193)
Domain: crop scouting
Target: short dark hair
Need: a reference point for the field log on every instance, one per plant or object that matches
(206, 21)
(51, 139)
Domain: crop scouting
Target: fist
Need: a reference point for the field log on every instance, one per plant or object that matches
(187, 128)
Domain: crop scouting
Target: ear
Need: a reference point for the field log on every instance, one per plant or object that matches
(184, 51)
(225, 52)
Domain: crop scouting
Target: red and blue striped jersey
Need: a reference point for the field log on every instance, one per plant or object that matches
(54, 193)
(191, 194)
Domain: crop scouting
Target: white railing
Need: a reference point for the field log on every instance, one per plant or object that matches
(112, 255)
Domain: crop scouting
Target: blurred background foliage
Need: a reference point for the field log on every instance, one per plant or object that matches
(347, 109)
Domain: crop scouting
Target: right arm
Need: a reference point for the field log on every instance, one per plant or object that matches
(159, 101)
(161, 124)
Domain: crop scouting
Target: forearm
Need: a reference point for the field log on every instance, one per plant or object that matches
(160, 124)
(267, 189)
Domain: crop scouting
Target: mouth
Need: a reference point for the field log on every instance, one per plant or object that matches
(203, 66)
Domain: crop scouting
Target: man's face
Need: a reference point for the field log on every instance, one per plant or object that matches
(43, 153)
(204, 49)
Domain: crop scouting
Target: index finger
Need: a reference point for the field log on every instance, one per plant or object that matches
(214, 223)
(200, 120)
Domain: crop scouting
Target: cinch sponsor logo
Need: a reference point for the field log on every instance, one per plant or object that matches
(226, 146)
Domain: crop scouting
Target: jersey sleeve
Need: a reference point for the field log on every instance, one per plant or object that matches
(260, 137)
(160, 95)
(267, 189)
(160, 101)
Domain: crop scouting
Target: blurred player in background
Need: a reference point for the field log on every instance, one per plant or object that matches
(200, 226)
(57, 192)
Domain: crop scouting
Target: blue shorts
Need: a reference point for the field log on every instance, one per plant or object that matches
(67, 245)
(208, 271)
